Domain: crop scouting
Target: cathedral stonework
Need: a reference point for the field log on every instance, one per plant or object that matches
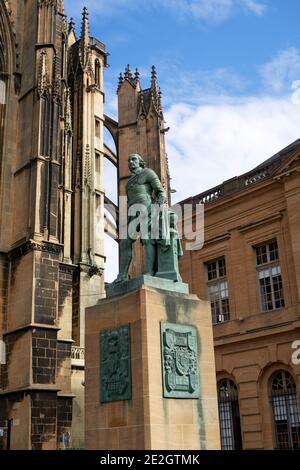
(52, 258)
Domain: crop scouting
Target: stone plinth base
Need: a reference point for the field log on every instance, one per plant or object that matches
(148, 420)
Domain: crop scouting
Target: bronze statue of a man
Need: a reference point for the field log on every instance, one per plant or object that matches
(144, 190)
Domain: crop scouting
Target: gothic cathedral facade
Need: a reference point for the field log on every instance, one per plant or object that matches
(52, 203)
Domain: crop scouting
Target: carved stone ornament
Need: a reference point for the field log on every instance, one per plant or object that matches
(32, 245)
(115, 364)
(179, 361)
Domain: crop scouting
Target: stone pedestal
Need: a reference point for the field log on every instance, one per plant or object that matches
(146, 419)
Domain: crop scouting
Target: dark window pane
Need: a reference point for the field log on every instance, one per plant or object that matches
(222, 268)
(218, 295)
(271, 290)
(216, 269)
(273, 250)
(218, 291)
(212, 271)
(285, 411)
(230, 427)
(261, 254)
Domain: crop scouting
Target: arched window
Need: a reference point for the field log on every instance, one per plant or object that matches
(3, 79)
(97, 73)
(2, 89)
(2, 74)
(285, 411)
(63, 55)
(229, 413)
(110, 183)
(2, 56)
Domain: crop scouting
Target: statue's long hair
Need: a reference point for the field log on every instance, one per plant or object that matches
(141, 160)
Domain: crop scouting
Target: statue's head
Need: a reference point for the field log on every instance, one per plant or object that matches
(135, 161)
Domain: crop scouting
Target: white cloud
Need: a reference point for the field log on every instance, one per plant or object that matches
(208, 144)
(201, 85)
(281, 71)
(254, 6)
(216, 135)
(219, 10)
(210, 10)
(204, 10)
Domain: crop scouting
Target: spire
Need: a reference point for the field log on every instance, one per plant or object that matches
(85, 36)
(121, 80)
(154, 86)
(71, 25)
(155, 92)
(137, 79)
(128, 74)
(159, 101)
(137, 75)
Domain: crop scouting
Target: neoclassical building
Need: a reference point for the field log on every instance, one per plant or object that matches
(249, 269)
(53, 219)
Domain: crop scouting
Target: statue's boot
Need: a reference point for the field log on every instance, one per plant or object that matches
(125, 260)
(150, 250)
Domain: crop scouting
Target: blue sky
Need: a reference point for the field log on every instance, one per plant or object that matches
(212, 56)
(236, 36)
(228, 70)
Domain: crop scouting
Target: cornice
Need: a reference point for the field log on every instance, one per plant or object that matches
(32, 245)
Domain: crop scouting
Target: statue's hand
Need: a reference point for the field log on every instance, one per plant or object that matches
(121, 278)
(161, 199)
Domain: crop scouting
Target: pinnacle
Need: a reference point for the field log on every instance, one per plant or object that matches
(128, 74)
(71, 24)
(85, 28)
(85, 20)
(154, 78)
(85, 13)
(136, 74)
(153, 73)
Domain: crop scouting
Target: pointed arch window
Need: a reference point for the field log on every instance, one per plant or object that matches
(63, 54)
(97, 73)
(2, 90)
(229, 415)
(2, 75)
(3, 85)
(98, 170)
(285, 411)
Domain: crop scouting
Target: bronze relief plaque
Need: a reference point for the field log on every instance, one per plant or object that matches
(179, 351)
(115, 364)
